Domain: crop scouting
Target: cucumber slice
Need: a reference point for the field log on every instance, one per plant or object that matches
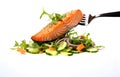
(51, 52)
(33, 50)
(100, 47)
(92, 50)
(75, 52)
(67, 49)
(66, 53)
(62, 46)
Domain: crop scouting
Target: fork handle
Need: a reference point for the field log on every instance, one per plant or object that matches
(110, 14)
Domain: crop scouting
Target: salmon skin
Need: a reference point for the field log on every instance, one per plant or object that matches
(53, 31)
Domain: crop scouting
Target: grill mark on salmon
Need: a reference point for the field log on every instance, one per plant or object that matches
(51, 32)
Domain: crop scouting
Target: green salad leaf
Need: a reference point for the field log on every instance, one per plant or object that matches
(55, 17)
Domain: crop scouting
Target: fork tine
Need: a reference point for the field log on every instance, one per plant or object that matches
(82, 22)
(83, 17)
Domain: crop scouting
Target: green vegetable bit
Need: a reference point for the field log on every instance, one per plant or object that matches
(55, 17)
(51, 52)
(62, 46)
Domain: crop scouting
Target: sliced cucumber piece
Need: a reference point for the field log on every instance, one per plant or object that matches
(68, 49)
(66, 53)
(92, 50)
(51, 52)
(75, 52)
(33, 50)
(62, 45)
(100, 47)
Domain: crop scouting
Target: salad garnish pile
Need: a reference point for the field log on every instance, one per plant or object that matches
(70, 44)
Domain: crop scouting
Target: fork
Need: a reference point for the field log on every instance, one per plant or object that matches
(87, 19)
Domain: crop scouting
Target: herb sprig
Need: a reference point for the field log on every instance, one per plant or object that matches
(55, 17)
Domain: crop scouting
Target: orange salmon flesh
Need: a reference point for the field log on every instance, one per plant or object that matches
(51, 32)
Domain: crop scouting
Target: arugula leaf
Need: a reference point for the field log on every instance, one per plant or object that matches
(43, 13)
(35, 45)
(55, 17)
(54, 22)
(71, 34)
(24, 45)
(59, 16)
(16, 44)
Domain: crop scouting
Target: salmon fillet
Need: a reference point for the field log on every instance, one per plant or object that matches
(51, 32)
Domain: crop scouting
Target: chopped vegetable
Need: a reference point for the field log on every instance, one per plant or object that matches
(33, 50)
(62, 45)
(51, 51)
(70, 44)
(66, 53)
(22, 51)
(41, 52)
(100, 47)
(80, 47)
(92, 50)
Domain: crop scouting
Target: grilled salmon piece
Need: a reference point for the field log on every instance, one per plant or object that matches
(53, 31)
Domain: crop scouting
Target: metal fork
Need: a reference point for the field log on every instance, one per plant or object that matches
(87, 19)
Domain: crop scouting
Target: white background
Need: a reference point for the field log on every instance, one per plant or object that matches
(19, 19)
